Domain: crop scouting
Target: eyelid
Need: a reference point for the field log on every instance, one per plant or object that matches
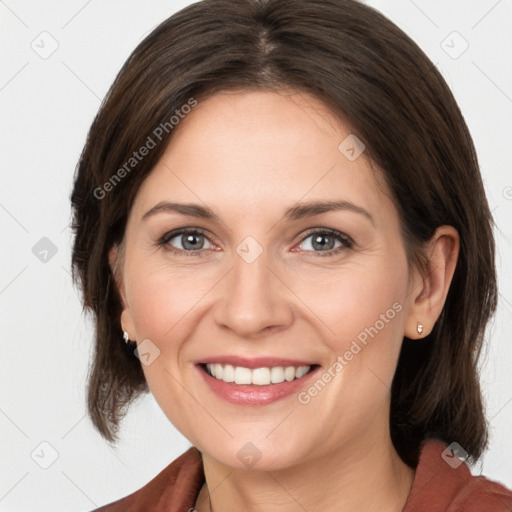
(330, 231)
(183, 231)
(346, 241)
(163, 241)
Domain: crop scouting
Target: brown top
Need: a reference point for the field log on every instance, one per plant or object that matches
(440, 485)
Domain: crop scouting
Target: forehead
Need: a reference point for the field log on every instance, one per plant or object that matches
(260, 151)
(283, 123)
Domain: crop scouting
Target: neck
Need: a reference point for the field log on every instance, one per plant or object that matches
(362, 476)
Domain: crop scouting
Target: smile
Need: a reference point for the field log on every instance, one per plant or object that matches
(255, 382)
(257, 376)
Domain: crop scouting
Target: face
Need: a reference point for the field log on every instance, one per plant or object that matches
(266, 283)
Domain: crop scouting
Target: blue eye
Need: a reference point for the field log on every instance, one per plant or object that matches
(323, 242)
(190, 240)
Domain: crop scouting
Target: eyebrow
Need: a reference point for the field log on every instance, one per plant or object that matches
(311, 209)
(301, 211)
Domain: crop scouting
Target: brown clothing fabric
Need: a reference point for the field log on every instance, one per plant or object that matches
(438, 487)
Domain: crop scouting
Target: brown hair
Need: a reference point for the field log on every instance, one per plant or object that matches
(368, 72)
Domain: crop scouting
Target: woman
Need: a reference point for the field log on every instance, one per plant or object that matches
(282, 232)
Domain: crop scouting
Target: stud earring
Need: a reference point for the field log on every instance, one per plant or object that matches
(420, 328)
(126, 337)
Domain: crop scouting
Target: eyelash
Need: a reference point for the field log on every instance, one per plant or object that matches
(347, 242)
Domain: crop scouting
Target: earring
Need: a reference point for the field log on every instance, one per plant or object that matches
(420, 328)
(129, 344)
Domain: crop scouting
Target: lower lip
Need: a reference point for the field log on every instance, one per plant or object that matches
(252, 394)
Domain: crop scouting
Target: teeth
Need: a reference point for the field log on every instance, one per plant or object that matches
(258, 376)
(228, 374)
(218, 371)
(301, 371)
(289, 373)
(242, 375)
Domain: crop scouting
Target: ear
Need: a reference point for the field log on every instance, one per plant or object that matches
(115, 261)
(427, 292)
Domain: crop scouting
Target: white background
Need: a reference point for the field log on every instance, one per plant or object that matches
(47, 106)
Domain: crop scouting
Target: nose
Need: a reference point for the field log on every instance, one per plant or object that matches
(255, 299)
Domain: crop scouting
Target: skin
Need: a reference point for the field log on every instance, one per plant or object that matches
(249, 156)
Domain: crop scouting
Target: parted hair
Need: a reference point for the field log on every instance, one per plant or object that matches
(373, 76)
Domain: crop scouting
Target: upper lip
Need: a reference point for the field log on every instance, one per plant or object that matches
(254, 362)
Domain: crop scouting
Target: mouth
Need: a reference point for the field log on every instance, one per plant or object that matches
(250, 382)
(264, 376)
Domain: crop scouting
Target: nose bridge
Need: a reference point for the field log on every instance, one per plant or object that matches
(254, 299)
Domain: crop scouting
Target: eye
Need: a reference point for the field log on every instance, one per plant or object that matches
(323, 242)
(186, 240)
(192, 241)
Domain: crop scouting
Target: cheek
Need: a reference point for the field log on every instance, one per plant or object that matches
(164, 304)
(354, 296)
(163, 298)
(362, 321)
(362, 313)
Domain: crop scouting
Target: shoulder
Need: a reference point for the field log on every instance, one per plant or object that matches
(443, 482)
(174, 488)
